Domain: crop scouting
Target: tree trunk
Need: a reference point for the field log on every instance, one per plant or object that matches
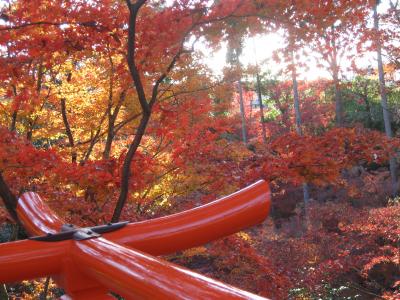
(126, 169)
(242, 113)
(15, 112)
(368, 109)
(29, 132)
(10, 201)
(338, 99)
(112, 117)
(68, 130)
(146, 107)
(109, 140)
(296, 98)
(264, 131)
(143, 100)
(13, 121)
(299, 130)
(91, 146)
(336, 83)
(384, 102)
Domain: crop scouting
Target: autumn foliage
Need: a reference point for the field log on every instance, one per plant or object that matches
(321, 159)
(107, 103)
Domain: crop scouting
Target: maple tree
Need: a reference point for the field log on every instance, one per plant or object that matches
(108, 111)
(335, 32)
(382, 90)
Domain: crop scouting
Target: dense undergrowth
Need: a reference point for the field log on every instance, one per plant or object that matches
(346, 248)
(109, 111)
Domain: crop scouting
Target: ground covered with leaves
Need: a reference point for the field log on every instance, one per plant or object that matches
(346, 248)
(337, 251)
(110, 110)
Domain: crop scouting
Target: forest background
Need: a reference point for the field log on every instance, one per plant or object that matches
(112, 110)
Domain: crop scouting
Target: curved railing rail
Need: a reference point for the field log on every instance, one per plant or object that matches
(122, 261)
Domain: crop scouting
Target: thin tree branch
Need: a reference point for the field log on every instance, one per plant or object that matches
(68, 130)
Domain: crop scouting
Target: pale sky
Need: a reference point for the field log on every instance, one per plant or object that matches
(259, 50)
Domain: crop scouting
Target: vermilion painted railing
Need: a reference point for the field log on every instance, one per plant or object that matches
(122, 261)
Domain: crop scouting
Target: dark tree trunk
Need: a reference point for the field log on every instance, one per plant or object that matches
(109, 139)
(126, 169)
(29, 132)
(146, 105)
(68, 130)
(112, 117)
(9, 199)
(13, 120)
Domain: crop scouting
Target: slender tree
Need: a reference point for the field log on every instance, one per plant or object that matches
(235, 48)
(9, 199)
(384, 102)
(299, 130)
(242, 111)
(336, 83)
(260, 102)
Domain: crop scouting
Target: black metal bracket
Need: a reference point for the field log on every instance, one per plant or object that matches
(71, 232)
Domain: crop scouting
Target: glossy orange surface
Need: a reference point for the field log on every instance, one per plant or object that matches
(200, 225)
(39, 219)
(36, 216)
(89, 269)
(30, 259)
(135, 275)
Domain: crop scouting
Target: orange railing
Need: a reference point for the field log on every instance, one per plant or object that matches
(122, 261)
